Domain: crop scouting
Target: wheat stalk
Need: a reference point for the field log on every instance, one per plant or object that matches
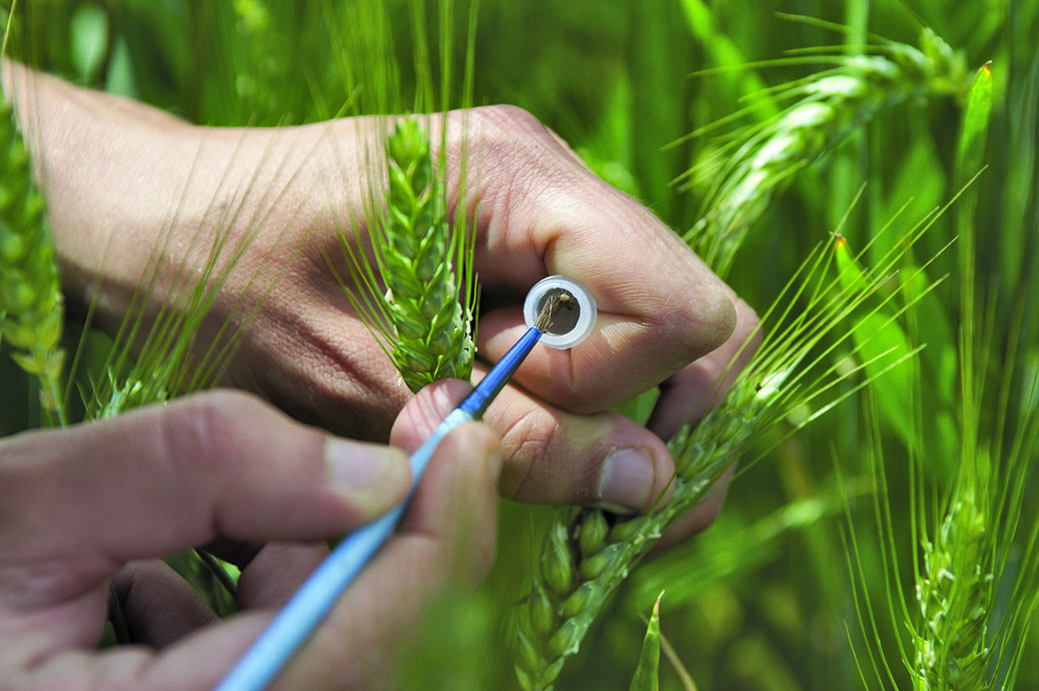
(30, 294)
(764, 159)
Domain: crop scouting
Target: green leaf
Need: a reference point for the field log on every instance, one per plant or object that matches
(975, 124)
(659, 53)
(969, 155)
(647, 674)
(876, 335)
(89, 38)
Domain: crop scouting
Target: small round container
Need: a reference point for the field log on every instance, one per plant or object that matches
(572, 323)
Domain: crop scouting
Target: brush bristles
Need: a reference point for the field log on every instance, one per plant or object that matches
(554, 305)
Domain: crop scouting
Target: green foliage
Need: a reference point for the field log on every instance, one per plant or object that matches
(647, 673)
(827, 108)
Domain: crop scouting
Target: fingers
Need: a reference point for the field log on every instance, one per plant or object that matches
(275, 574)
(417, 421)
(447, 538)
(556, 457)
(159, 606)
(687, 395)
(660, 308)
(552, 456)
(162, 479)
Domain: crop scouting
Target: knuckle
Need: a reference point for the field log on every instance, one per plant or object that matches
(704, 323)
(527, 442)
(508, 120)
(523, 151)
(209, 428)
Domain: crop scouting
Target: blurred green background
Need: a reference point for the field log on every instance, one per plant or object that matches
(763, 600)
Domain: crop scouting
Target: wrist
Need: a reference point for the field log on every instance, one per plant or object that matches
(107, 168)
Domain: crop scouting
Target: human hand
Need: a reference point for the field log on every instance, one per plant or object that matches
(98, 502)
(664, 318)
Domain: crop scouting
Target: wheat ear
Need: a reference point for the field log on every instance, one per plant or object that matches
(954, 594)
(30, 294)
(582, 562)
(825, 108)
(420, 320)
(589, 552)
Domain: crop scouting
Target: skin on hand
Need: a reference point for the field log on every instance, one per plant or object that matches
(665, 320)
(101, 501)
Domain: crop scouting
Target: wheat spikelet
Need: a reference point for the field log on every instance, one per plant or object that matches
(826, 108)
(30, 294)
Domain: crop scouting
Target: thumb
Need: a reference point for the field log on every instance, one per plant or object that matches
(166, 478)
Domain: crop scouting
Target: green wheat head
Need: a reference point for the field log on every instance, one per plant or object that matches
(974, 544)
(432, 335)
(763, 159)
(588, 552)
(581, 566)
(955, 596)
(969, 540)
(30, 294)
(416, 289)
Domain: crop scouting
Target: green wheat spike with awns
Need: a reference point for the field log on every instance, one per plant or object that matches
(823, 111)
(575, 575)
(424, 318)
(433, 337)
(30, 296)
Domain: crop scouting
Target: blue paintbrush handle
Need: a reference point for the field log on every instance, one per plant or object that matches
(489, 387)
(316, 597)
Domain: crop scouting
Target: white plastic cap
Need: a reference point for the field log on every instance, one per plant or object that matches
(572, 326)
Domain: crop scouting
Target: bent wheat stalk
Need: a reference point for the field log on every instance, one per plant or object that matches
(588, 553)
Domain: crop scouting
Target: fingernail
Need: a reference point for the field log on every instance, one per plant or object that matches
(627, 480)
(357, 466)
